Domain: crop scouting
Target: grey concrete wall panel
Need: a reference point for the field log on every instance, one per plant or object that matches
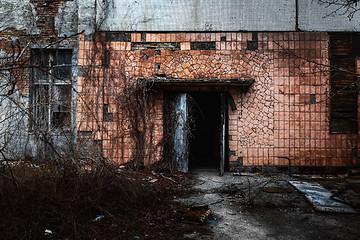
(201, 15)
(316, 17)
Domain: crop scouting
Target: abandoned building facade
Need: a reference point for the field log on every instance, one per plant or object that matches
(199, 84)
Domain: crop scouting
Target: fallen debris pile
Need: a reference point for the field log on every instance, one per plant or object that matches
(197, 214)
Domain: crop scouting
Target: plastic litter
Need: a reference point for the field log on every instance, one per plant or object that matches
(98, 218)
(48, 232)
(214, 221)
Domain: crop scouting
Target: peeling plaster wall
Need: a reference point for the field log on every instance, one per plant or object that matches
(14, 137)
(18, 14)
(21, 15)
(24, 25)
(86, 13)
(66, 21)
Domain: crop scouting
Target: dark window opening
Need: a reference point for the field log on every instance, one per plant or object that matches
(344, 90)
(356, 44)
(50, 89)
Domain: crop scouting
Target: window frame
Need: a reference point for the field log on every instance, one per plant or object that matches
(51, 84)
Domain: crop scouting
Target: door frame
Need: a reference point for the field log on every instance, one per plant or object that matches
(223, 128)
(224, 133)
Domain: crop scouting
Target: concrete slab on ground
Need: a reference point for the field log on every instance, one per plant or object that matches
(244, 211)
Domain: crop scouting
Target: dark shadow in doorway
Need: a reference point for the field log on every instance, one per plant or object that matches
(205, 140)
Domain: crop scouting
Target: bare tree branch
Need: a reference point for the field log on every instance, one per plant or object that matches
(342, 7)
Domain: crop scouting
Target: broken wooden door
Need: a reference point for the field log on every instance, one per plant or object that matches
(180, 138)
(223, 133)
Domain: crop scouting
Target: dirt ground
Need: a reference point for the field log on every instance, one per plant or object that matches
(107, 203)
(241, 209)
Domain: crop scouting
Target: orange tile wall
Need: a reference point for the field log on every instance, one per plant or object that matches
(284, 113)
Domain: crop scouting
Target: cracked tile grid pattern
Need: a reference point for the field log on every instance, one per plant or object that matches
(275, 117)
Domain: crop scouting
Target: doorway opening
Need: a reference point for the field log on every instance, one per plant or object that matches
(204, 142)
(195, 129)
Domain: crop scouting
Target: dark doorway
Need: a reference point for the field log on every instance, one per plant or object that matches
(205, 114)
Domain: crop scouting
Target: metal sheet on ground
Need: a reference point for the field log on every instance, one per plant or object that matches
(320, 198)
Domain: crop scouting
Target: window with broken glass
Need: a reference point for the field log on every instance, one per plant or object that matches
(51, 89)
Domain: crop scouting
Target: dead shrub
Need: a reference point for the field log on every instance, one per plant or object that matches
(66, 200)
